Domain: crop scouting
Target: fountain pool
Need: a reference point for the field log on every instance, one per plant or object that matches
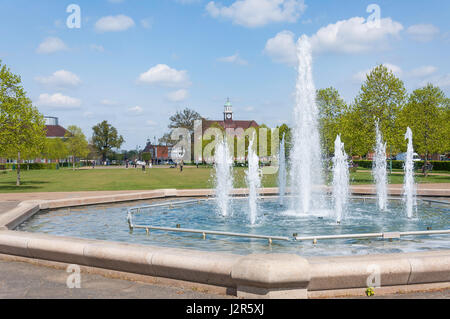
(362, 216)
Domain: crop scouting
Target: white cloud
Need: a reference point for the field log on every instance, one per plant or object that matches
(256, 13)
(235, 59)
(60, 79)
(108, 102)
(423, 71)
(350, 36)
(58, 100)
(147, 23)
(282, 48)
(354, 35)
(362, 75)
(135, 110)
(97, 47)
(178, 96)
(443, 81)
(423, 32)
(164, 75)
(51, 45)
(114, 23)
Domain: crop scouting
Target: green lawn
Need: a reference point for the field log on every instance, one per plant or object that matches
(66, 180)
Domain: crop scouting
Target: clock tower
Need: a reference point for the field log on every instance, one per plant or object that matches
(228, 112)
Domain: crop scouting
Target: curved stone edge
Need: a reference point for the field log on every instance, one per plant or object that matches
(253, 276)
(331, 273)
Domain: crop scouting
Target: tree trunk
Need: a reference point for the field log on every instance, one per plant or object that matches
(18, 169)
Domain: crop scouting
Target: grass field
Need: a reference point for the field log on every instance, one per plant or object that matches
(66, 180)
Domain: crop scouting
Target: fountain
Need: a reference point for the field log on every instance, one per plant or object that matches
(253, 179)
(282, 171)
(223, 167)
(409, 187)
(379, 171)
(340, 179)
(306, 159)
(298, 229)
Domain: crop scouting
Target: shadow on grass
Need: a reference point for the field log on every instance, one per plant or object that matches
(24, 185)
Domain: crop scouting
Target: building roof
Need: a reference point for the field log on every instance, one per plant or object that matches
(230, 124)
(55, 131)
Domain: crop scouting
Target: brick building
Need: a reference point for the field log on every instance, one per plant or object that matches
(228, 121)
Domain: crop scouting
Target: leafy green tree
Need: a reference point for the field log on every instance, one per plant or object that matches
(105, 138)
(381, 98)
(447, 125)
(22, 127)
(55, 149)
(146, 156)
(355, 132)
(425, 114)
(331, 107)
(77, 145)
(286, 131)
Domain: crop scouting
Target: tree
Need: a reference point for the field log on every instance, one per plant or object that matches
(76, 142)
(425, 115)
(55, 149)
(381, 98)
(22, 127)
(184, 119)
(355, 134)
(166, 140)
(286, 131)
(146, 156)
(331, 108)
(105, 138)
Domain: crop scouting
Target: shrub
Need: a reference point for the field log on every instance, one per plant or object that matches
(437, 165)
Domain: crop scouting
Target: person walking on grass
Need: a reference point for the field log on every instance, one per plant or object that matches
(181, 166)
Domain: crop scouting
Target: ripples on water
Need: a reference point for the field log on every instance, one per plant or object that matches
(109, 223)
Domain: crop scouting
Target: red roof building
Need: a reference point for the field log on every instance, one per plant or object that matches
(53, 128)
(228, 121)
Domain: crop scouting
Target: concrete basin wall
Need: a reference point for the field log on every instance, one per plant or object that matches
(252, 276)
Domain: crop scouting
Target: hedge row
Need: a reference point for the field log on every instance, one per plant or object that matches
(437, 165)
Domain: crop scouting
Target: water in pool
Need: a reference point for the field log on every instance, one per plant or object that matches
(110, 223)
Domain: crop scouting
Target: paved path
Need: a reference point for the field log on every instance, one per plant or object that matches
(19, 280)
(17, 197)
(26, 281)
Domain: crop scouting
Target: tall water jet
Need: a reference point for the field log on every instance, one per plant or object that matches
(379, 170)
(306, 159)
(253, 179)
(223, 166)
(282, 171)
(340, 179)
(409, 187)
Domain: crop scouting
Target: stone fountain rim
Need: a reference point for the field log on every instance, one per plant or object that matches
(251, 276)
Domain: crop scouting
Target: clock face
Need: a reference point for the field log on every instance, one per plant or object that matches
(228, 116)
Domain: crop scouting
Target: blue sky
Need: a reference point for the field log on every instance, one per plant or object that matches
(136, 62)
